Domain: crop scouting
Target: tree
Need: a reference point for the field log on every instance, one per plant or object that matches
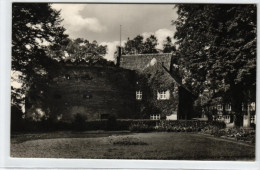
(134, 46)
(35, 28)
(217, 45)
(150, 45)
(168, 47)
(80, 49)
(139, 46)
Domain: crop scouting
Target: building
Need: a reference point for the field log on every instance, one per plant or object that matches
(93, 92)
(221, 110)
(139, 87)
(163, 96)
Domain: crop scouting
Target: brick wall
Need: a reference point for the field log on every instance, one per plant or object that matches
(91, 92)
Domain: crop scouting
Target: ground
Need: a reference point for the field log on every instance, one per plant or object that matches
(125, 145)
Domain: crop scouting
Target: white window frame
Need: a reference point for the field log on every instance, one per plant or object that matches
(139, 95)
(252, 106)
(155, 117)
(162, 95)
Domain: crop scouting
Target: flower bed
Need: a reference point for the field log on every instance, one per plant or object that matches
(241, 134)
(175, 126)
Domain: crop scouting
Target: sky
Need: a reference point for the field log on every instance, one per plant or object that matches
(101, 22)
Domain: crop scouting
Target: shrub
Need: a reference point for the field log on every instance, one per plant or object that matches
(16, 118)
(111, 123)
(140, 127)
(242, 134)
(134, 125)
(181, 125)
(79, 122)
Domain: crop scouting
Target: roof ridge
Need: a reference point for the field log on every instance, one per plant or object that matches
(150, 54)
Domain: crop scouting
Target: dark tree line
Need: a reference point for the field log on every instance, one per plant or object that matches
(138, 45)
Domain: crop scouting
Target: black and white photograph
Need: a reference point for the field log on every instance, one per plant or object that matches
(133, 81)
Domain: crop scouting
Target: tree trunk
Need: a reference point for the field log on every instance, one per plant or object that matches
(236, 104)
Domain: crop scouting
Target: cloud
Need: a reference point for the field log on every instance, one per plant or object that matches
(111, 49)
(74, 21)
(161, 35)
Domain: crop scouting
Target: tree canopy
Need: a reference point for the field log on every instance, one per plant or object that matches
(140, 46)
(81, 50)
(35, 27)
(168, 46)
(217, 46)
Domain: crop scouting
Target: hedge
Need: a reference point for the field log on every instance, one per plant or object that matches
(135, 125)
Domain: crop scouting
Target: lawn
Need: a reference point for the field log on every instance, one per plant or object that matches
(124, 145)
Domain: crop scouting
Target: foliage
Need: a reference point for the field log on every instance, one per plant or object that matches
(154, 79)
(247, 135)
(150, 45)
(133, 46)
(140, 127)
(35, 27)
(217, 46)
(187, 125)
(111, 123)
(168, 46)
(80, 50)
(139, 46)
(16, 117)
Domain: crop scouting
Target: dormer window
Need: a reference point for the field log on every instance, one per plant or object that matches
(139, 95)
(163, 95)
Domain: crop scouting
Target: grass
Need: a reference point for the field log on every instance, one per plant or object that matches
(111, 145)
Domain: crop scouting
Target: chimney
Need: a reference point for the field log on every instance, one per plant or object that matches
(118, 57)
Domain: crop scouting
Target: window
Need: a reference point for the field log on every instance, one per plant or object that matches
(243, 107)
(163, 95)
(252, 106)
(139, 95)
(155, 117)
(219, 107)
(228, 107)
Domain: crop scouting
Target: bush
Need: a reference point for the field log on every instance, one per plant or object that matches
(135, 125)
(79, 122)
(140, 127)
(16, 118)
(181, 125)
(242, 134)
(111, 123)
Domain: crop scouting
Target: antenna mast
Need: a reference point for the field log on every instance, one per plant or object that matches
(120, 34)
